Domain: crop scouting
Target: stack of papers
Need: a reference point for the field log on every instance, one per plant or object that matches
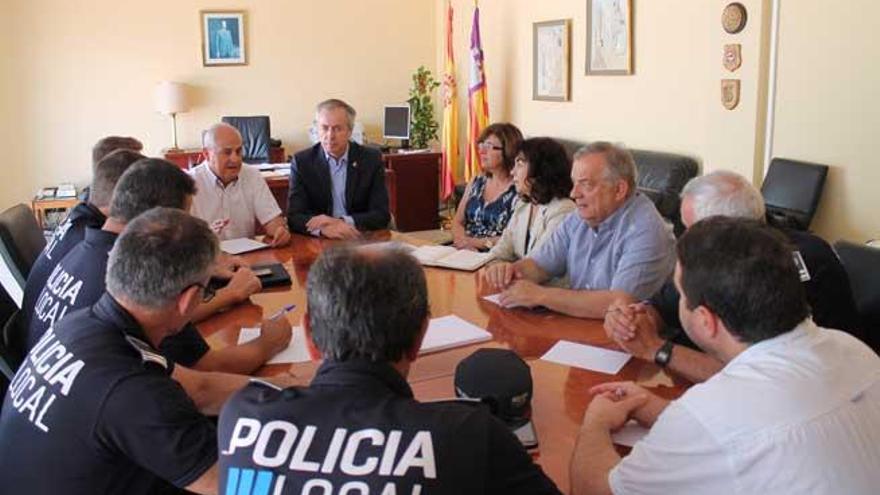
(449, 257)
(449, 332)
(443, 333)
(496, 299)
(587, 357)
(241, 245)
(262, 167)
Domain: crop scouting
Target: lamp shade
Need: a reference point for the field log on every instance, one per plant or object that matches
(170, 98)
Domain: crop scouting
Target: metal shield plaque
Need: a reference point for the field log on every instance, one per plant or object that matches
(730, 93)
(732, 56)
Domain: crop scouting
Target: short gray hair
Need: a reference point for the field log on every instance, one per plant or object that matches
(158, 255)
(209, 136)
(724, 193)
(367, 302)
(148, 183)
(333, 104)
(619, 161)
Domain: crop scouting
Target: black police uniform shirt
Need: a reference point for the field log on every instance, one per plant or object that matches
(826, 285)
(93, 410)
(357, 429)
(67, 235)
(77, 281)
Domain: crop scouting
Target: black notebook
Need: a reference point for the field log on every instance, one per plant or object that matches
(271, 275)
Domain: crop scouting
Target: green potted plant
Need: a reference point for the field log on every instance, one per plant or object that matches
(423, 127)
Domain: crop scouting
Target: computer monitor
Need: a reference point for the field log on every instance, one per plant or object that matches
(396, 122)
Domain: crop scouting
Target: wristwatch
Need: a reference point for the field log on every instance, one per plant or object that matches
(664, 354)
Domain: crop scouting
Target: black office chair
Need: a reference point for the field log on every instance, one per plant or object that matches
(9, 359)
(662, 176)
(791, 192)
(21, 241)
(862, 264)
(255, 136)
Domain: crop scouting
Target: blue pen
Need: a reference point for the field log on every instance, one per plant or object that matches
(283, 311)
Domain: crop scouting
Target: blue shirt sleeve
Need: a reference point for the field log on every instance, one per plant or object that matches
(647, 260)
(552, 255)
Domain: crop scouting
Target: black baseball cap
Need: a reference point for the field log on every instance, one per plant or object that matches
(499, 378)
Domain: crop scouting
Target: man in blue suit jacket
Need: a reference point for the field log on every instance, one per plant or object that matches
(337, 187)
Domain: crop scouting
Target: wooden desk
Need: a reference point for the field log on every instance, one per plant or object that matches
(42, 206)
(560, 392)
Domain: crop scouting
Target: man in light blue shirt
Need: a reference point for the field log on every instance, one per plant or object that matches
(615, 242)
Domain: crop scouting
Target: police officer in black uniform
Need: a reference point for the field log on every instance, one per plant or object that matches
(91, 213)
(93, 409)
(653, 327)
(357, 427)
(78, 279)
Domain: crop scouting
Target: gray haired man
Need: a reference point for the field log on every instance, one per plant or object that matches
(367, 315)
(94, 409)
(337, 187)
(614, 243)
(652, 331)
(233, 197)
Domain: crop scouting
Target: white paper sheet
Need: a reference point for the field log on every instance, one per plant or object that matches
(296, 351)
(443, 333)
(451, 331)
(496, 299)
(241, 245)
(587, 357)
(631, 433)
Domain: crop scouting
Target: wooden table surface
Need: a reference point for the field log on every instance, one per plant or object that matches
(560, 392)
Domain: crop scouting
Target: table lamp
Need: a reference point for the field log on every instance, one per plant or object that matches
(170, 99)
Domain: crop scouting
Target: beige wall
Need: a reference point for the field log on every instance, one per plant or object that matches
(69, 75)
(671, 103)
(80, 71)
(827, 110)
(828, 107)
(12, 138)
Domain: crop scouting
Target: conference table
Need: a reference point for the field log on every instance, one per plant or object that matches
(560, 392)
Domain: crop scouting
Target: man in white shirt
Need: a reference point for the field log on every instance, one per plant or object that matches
(233, 197)
(796, 409)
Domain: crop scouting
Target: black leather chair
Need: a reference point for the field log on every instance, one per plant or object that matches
(791, 192)
(662, 176)
(255, 136)
(862, 264)
(9, 359)
(22, 239)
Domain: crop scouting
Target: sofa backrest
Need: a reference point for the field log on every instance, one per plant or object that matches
(662, 176)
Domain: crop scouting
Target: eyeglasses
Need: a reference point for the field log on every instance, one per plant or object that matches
(208, 292)
(483, 145)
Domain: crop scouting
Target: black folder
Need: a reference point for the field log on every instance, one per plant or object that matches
(272, 275)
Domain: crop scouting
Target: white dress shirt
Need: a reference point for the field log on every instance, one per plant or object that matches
(796, 414)
(244, 201)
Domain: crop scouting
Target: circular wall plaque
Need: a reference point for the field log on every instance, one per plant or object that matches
(734, 18)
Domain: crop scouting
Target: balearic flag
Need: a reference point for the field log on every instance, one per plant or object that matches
(478, 101)
(449, 145)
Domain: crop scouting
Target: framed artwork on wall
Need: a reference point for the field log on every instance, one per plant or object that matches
(609, 37)
(551, 60)
(223, 37)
